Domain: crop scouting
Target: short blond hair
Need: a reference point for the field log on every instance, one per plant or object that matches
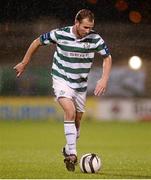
(83, 14)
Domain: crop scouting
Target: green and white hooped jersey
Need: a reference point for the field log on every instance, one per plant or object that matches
(73, 57)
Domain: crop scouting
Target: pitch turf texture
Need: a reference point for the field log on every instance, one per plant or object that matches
(32, 149)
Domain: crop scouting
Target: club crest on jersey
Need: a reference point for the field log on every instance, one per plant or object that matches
(86, 45)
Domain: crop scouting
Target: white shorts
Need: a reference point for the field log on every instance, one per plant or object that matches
(61, 89)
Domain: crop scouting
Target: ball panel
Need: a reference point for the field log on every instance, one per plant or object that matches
(90, 163)
(85, 163)
(96, 163)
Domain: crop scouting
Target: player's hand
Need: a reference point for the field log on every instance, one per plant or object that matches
(100, 87)
(20, 67)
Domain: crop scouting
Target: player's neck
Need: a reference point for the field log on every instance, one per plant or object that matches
(75, 32)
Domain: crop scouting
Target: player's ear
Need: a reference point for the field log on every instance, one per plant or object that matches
(77, 22)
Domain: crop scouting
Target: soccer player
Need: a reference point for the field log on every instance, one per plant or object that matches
(72, 61)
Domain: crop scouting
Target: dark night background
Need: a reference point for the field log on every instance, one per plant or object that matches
(104, 10)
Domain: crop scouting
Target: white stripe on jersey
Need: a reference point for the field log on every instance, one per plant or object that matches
(100, 42)
(92, 36)
(76, 44)
(102, 52)
(52, 35)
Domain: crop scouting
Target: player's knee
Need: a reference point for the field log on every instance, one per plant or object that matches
(70, 114)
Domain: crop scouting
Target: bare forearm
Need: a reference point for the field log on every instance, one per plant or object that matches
(102, 83)
(107, 64)
(20, 67)
(31, 50)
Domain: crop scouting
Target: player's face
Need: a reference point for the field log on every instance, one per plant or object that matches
(84, 27)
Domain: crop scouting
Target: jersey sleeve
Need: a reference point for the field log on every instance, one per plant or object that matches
(48, 38)
(102, 48)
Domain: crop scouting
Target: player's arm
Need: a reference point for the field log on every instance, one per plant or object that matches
(20, 67)
(102, 83)
(44, 39)
(103, 50)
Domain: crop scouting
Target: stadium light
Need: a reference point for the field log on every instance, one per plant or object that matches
(135, 62)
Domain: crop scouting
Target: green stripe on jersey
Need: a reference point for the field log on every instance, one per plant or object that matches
(91, 40)
(83, 89)
(66, 29)
(70, 70)
(79, 80)
(100, 47)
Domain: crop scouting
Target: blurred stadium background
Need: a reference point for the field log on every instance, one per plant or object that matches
(31, 120)
(125, 25)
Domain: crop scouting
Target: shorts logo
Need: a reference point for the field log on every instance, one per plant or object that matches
(61, 92)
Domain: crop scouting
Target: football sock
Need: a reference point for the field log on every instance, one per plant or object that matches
(67, 149)
(77, 137)
(71, 134)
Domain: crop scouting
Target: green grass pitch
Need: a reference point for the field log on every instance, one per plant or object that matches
(32, 149)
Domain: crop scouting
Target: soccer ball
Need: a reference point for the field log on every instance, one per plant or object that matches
(90, 163)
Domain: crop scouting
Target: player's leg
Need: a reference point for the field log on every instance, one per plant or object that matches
(78, 118)
(70, 132)
(79, 100)
(78, 121)
(69, 123)
(64, 96)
